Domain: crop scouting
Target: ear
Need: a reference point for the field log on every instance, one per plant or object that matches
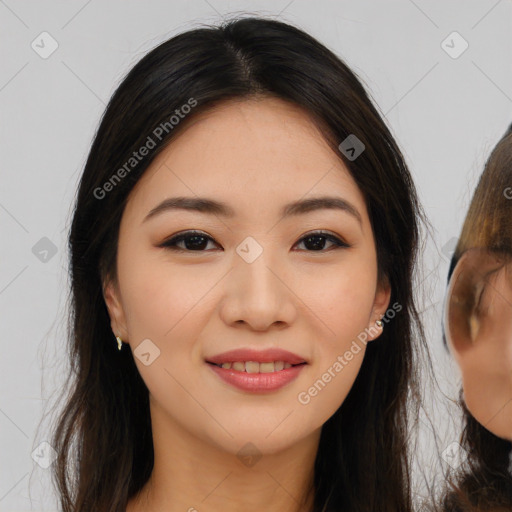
(478, 327)
(477, 308)
(116, 312)
(380, 306)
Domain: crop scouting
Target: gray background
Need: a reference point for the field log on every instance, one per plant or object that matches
(446, 113)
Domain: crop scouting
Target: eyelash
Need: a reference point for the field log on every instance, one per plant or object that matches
(171, 242)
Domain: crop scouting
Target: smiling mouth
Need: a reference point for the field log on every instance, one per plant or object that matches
(256, 367)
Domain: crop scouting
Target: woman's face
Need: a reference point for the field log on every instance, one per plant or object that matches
(251, 280)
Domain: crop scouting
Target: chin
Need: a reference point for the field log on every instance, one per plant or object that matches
(255, 439)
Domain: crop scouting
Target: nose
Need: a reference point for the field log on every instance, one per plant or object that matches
(259, 294)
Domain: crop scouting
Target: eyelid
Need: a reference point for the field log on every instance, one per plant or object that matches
(335, 239)
(332, 237)
(178, 237)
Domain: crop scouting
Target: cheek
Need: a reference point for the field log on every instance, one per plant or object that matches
(169, 307)
(343, 307)
(166, 307)
(343, 300)
(159, 298)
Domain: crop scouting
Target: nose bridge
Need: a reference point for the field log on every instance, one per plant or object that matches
(256, 292)
(255, 268)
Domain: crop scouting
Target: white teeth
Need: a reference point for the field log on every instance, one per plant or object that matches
(255, 367)
(252, 367)
(266, 367)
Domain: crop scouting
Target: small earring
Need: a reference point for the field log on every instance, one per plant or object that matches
(119, 343)
(379, 323)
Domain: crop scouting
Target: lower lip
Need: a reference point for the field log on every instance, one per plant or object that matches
(257, 382)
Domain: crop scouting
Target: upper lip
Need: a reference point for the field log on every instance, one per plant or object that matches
(261, 356)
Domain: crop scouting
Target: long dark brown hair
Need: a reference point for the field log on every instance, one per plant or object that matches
(103, 435)
(485, 482)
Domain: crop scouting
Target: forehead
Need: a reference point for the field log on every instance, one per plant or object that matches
(250, 154)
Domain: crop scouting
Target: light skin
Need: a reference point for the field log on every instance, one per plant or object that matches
(256, 156)
(480, 337)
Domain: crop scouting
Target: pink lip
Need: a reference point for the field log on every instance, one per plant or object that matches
(260, 356)
(258, 382)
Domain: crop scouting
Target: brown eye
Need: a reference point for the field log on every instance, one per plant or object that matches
(196, 241)
(192, 240)
(316, 241)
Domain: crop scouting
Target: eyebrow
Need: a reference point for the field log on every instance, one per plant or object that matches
(213, 207)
